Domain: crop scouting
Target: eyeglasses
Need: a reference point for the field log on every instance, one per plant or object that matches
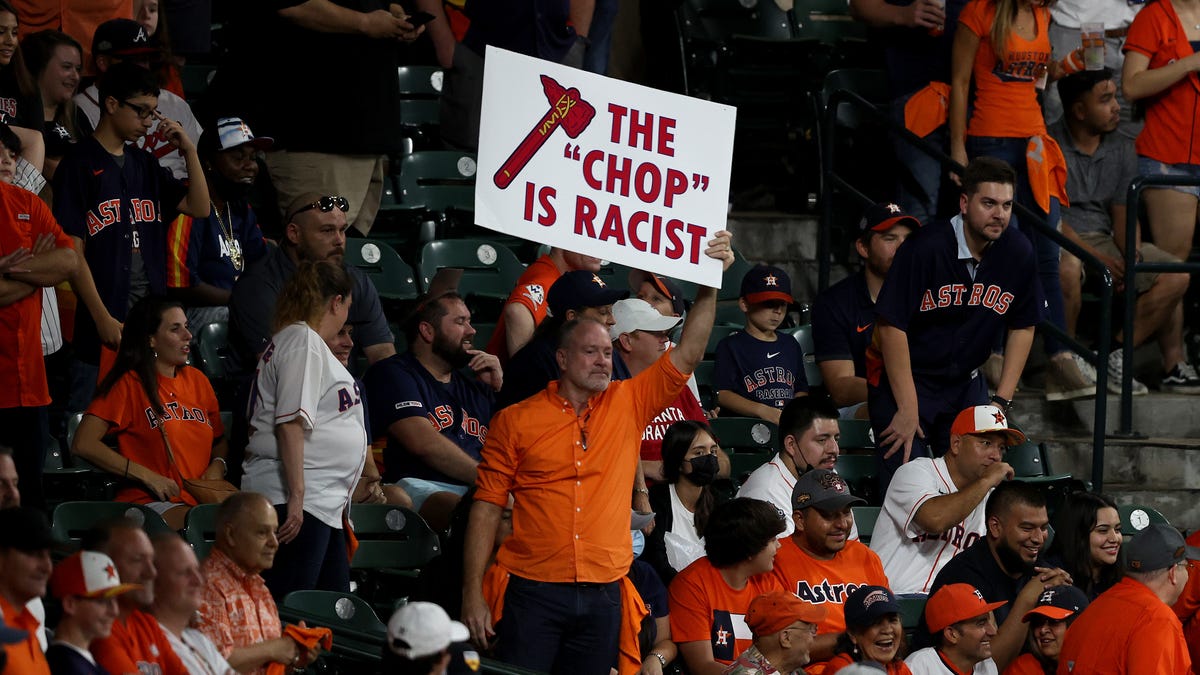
(144, 112)
(324, 204)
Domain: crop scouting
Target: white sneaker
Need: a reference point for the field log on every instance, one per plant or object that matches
(1116, 370)
(1085, 367)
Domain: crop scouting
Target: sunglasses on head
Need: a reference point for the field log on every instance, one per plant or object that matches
(325, 205)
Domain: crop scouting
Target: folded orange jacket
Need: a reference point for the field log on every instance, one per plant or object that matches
(307, 638)
(927, 109)
(1047, 171)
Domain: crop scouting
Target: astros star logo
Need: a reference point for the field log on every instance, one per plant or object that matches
(598, 281)
(999, 416)
(893, 208)
(772, 280)
(110, 571)
(722, 637)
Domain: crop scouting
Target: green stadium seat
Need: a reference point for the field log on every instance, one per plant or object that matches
(864, 519)
(861, 473)
(804, 338)
(393, 278)
(200, 528)
(719, 332)
(358, 634)
(855, 435)
(704, 383)
(490, 270)
(742, 464)
(745, 434)
(437, 180)
(391, 537)
(213, 351)
(911, 612)
(731, 280)
(420, 94)
(70, 520)
(1135, 517)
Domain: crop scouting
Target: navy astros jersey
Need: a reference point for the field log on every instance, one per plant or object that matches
(952, 320)
(399, 387)
(771, 373)
(115, 209)
(843, 320)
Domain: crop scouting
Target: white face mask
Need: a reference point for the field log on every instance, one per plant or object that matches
(639, 543)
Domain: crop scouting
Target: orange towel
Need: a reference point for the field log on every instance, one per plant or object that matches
(633, 610)
(351, 538)
(927, 109)
(307, 638)
(1047, 171)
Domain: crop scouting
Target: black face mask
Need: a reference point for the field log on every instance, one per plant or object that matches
(704, 469)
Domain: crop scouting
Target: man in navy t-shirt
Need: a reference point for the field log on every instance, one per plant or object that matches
(758, 370)
(434, 416)
(843, 315)
(953, 288)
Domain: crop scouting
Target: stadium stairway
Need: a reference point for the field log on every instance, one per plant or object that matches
(1161, 468)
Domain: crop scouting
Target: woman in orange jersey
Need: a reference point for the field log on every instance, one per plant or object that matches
(873, 632)
(1001, 52)
(1048, 622)
(1087, 542)
(1162, 57)
(151, 397)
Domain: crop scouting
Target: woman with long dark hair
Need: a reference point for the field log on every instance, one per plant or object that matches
(1087, 542)
(21, 108)
(55, 61)
(683, 502)
(308, 444)
(149, 398)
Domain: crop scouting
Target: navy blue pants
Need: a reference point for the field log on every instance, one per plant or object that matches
(315, 560)
(939, 402)
(560, 628)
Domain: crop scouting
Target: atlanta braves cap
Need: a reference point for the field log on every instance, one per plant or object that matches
(1058, 602)
(121, 37)
(953, 603)
(867, 603)
(1157, 547)
(88, 574)
(823, 489)
(985, 419)
(578, 289)
(764, 283)
(771, 612)
(882, 217)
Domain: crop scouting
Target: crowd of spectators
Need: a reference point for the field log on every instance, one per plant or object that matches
(580, 492)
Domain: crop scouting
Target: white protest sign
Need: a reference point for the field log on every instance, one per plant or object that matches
(603, 167)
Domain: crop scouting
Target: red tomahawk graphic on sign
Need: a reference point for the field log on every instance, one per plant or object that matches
(567, 110)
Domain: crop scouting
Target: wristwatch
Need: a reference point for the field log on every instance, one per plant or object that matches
(661, 659)
(1004, 403)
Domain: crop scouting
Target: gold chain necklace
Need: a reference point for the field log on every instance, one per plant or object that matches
(235, 248)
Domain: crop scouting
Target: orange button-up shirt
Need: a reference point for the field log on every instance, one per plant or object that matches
(237, 609)
(571, 476)
(23, 218)
(24, 657)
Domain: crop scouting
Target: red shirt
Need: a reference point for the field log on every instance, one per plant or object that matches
(531, 292)
(684, 407)
(1172, 131)
(1006, 103)
(23, 218)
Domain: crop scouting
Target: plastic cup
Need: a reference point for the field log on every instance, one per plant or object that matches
(937, 31)
(1092, 36)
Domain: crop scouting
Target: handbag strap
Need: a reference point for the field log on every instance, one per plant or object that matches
(162, 430)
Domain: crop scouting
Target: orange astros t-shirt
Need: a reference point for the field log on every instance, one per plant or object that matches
(1005, 95)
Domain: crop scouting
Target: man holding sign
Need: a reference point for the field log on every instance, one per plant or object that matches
(572, 449)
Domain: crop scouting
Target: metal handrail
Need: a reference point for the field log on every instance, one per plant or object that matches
(832, 180)
(1132, 267)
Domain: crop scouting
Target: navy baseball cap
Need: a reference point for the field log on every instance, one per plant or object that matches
(122, 37)
(883, 216)
(579, 289)
(867, 604)
(25, 529)
(824, 489)
(1058, 603)
(764, 283)
(1157, 547)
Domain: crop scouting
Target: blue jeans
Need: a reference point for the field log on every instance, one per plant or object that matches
(595, 59)
(1012, 150)
(919, 177)
(560, 628)
(315, 560)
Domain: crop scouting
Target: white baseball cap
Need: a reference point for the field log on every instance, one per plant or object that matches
(985, 419)
(421, 629)
(88, 574)
(633, 314)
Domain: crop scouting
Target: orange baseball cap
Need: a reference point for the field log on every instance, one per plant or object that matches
(953, 603)
(772, 612)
